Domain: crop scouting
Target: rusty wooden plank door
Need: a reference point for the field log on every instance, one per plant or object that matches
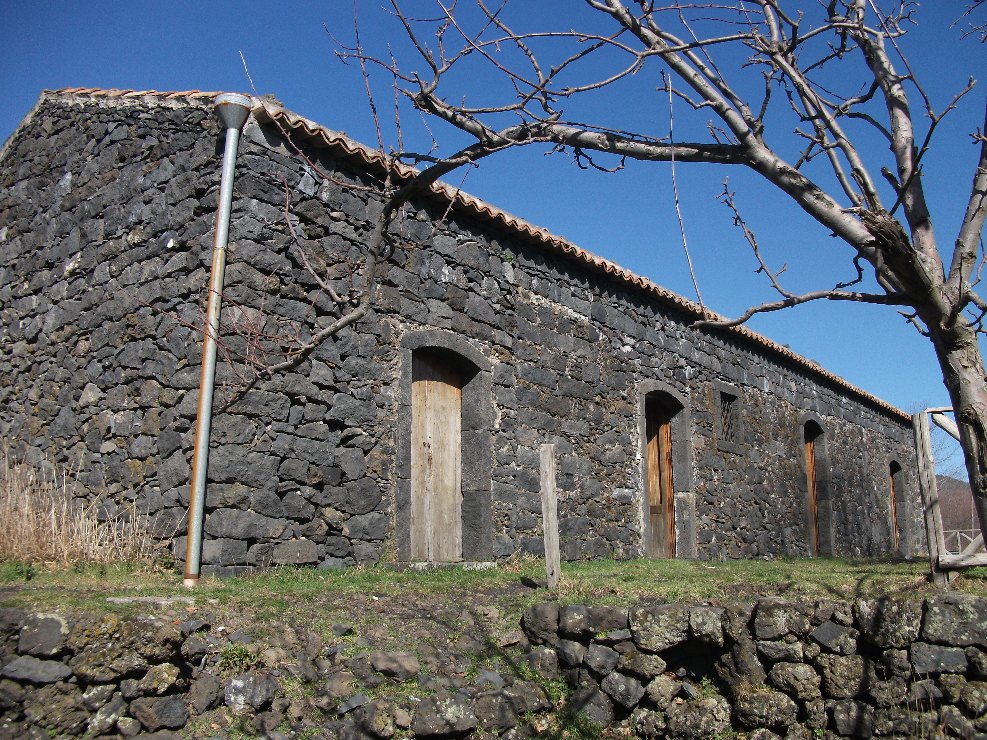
(810, 481)
(436, 460)
(661, 485)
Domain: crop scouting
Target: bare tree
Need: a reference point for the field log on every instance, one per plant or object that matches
(831, 77)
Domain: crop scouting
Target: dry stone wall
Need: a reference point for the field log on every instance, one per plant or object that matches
(106, 218)
(769, 669)
(774, 668)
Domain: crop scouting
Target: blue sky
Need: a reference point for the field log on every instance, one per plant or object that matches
(628, 217)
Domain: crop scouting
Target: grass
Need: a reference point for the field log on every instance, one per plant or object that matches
(286, 593)
(44, 523)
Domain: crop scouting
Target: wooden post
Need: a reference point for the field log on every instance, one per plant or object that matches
(550, 515)
(930, 497)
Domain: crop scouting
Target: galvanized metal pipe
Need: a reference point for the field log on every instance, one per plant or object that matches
(232, 110)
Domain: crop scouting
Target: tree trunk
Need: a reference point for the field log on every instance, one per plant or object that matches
(963, 373)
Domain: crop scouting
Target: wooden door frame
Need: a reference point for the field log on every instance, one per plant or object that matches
(682, 467)
(477, 435)
(817, 513)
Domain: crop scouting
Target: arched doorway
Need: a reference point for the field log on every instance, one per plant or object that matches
(895, 490)
(812, 436)
(436, 458)
(443, 439)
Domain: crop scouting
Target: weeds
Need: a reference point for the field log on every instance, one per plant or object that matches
(44, 523)
(236, 658)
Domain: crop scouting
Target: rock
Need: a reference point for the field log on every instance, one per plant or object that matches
(57, 707)
(161, 711)
(659, 628)
(255, 690)
(740, 666)
(796, 679)
(527, 696)
(354, 702)
(888, 623)
(698, 720)
(764, 708)
(376, 718)
(648, 724)
(107, 648)
(42, 635)
(779, 650)
(400, 666)
(541, 623)
(776, 618)
(489, 680)
(570, 653)
(623, 689)
(34, 670)
(977, 660)
(973, 699)
(853, 718)
(705, 625)
(544, 661)
(205, 692)
(662, 690)
(159, 679)
(600, 659)
(443, 716)
(956, 619)
(592, 704)
(836, 638)
(107, 716)
(905, 722)
(843, 676)
(494, 711)
(96, 696)
(736, 619)
(889, 692)
(266, 722)
(927, 659)
(645, 665)
(128, 726)
(955, 724)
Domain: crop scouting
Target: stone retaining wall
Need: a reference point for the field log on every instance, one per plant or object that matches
(771, 669)
(867, 668)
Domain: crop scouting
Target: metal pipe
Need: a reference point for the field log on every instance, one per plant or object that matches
(232, 110)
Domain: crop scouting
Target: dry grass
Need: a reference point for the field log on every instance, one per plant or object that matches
(44, 523)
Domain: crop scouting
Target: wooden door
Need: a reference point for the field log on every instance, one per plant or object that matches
(810, 480)
(660, 481)
(895, 531)
(436, 460)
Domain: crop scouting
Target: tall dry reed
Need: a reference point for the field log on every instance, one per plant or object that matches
(40, 521)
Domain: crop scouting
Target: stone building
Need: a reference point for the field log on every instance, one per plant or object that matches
(490, 333)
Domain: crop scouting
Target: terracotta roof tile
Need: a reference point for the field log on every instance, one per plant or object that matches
(268, 112)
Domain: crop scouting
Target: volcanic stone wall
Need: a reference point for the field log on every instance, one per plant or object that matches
(107, 208)
(775, 668)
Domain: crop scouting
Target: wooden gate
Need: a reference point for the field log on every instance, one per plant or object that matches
(436, 459)
(660, 479)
